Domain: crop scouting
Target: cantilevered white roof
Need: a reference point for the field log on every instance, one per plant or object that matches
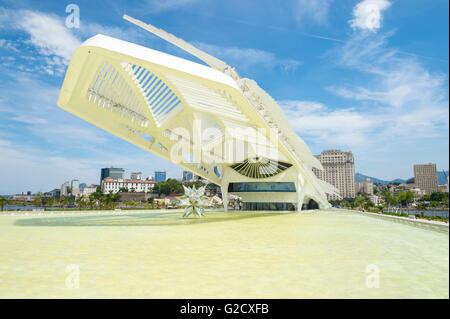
(161, 103)
(158, 57)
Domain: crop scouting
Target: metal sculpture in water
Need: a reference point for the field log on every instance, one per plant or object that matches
(194, 201)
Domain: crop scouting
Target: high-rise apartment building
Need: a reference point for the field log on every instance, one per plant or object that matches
(136, 176)
(75, 185)
(114, 173)
(425, 177)
(364, 187)
(160, 176)
(64, 189)
(188, 176)
(339, 171)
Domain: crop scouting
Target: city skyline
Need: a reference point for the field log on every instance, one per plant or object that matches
(184, 177)
(41, 143)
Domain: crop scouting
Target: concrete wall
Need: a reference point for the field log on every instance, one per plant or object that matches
(137, 197)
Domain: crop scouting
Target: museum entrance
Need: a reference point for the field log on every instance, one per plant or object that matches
(312, 204)
(259, 206)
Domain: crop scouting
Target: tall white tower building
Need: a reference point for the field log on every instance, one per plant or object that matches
(339, 171)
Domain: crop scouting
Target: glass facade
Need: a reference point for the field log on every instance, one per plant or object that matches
(114, 173)
(160, 176)
(312, 205)
(261, 187)
(269, 206)
(188, 176)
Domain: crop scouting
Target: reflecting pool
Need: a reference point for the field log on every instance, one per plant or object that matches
(157, 254)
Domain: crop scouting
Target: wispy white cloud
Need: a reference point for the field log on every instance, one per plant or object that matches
(158, 6)
(323, 125)
(400, 84)
(315, 11)
(8, 45)
(48, 34)
(395, 101)
(41, 118)
(248, 57)
(49, 45)
(27, 119)
(367, 15)
(129, 33)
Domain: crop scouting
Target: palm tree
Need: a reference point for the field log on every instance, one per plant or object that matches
(421, 208)
(344, 203)
(64, 201)
(380, 208)
(37, 202)
(435, 205)
(368, 204)
(358, 202)
(445, 201)
(388, 198)
(2, 202)
(81, 202)
(91, 202)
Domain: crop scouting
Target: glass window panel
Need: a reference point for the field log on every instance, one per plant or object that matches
(261, 187)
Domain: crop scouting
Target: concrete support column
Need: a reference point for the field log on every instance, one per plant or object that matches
(300, 192)
(224, 186)
(225, 197)
(197, 138)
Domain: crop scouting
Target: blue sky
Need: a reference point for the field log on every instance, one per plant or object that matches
(368, 76)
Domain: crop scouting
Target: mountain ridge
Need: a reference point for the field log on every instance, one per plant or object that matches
(361, 177)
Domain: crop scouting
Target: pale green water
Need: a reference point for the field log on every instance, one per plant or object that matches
(236, 255)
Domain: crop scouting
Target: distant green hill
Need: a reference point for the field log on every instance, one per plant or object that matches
(361, 177)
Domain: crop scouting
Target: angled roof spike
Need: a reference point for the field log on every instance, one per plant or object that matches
(205, 57)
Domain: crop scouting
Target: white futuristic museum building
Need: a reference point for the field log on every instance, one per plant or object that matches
(203, 118)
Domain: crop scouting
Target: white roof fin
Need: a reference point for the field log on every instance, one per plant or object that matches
(205, 57)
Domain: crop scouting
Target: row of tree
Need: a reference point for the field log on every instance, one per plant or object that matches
(402, 199)
(107, 201)
(169, 187)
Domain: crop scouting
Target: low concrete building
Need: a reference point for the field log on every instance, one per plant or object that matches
(374, 199)
(87, 191)
(24, 197)
(110, 185)
(136, 197)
